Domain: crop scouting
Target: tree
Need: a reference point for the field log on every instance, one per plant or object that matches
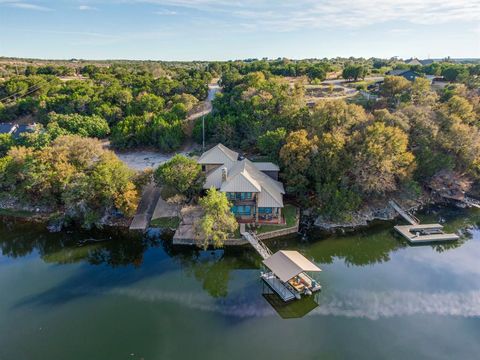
(422, 93)
(381, 158)
(218, 222)
(296, 157)
(147, 103)
(317, 72)
(6, 142)
(354, 72)
(182, 173)
(455, 73)
(460, 107)
(271, 142)
(330, 114)
(75, 176)
(87, 126)
(394, 87)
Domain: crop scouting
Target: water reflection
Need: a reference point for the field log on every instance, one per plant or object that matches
(214, 270)
(113, 247)
(294, 309)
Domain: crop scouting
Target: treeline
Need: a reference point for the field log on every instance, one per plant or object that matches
(337, 155)
(348, 68)
(74, 178)
(137, 105)
(313, 69)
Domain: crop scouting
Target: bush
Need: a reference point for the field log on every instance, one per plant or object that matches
(87, 126)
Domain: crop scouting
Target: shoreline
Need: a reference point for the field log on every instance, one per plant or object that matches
(364, 218)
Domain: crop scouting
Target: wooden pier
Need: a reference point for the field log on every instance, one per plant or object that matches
(287, 276)
(416, 233)
(257, 244)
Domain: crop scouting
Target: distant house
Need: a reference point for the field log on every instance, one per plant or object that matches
(413, 61)
(252, 187)
(15, 130)
(427, 62)
(407, 74)
(7, 128)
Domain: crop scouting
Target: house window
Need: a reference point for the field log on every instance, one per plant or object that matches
(246, 196)
(239, 195)
(242, 210)
(265, 210)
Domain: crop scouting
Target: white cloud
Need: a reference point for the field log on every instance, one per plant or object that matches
(333, 13)
(27, 6)
(86, 8)
(354, 304)
(165, 12)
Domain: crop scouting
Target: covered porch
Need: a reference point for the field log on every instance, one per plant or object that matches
(249, 213)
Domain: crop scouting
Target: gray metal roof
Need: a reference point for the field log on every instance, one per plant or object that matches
(219, 154)
(286, 264)
(242, 176)
(243, 172)
(397, 72)
(266, 166)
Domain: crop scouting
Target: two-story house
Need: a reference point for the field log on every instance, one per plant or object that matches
(252, 187)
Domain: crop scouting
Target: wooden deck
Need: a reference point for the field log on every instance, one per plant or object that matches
(276, 285)
(427, 233)
(416, 233)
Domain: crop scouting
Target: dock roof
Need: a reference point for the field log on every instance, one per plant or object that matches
(286, 264)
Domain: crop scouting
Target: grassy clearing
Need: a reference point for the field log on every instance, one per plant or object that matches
(290, 214)
(166, 222)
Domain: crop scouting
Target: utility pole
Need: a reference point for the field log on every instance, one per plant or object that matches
(203, 133)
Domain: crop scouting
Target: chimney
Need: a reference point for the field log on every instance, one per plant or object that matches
(224, 174)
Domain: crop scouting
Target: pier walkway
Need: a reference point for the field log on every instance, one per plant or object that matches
(257, 244)
(471, 202)
(145, 208)
(408, 217)
(417, 233)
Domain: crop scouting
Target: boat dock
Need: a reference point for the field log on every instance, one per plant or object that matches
(417, 233)
(287, 275)
(426, 233)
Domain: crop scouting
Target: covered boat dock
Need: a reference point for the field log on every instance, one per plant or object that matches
(288, 275)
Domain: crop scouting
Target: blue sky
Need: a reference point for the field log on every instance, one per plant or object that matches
(238, 29)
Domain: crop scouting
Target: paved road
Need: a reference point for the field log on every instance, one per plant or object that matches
(206, 107)
(146, 207)
(342, 81)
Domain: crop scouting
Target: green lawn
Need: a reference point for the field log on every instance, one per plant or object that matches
(290, 214)
(166, 222)
(236, 234)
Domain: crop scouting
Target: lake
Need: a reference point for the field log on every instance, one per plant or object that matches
(110, 295)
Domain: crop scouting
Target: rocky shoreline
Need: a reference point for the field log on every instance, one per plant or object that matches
(377, 210)
(13, 209)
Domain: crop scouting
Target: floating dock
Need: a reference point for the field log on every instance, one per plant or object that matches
(417, 233)
(426, 233)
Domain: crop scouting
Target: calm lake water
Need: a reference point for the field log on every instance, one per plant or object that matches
(63, 296)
